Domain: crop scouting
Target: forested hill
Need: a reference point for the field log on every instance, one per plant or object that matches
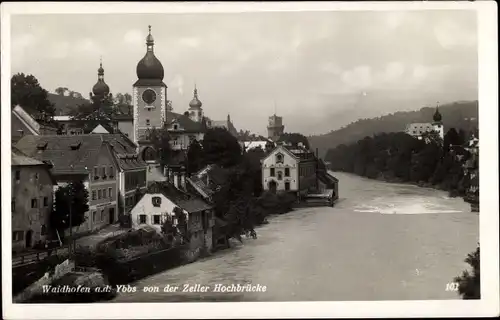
(455, 115)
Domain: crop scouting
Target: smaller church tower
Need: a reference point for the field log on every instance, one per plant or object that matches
(437, 123)
(100, 90)
(275, 127)
(195, 110)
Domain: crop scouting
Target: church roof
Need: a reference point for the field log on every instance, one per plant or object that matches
(150, 68)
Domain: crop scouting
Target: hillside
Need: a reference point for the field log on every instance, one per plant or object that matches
(65, 104)
(455, 115)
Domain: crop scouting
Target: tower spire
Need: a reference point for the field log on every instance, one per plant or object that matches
(195, 92)
(149, 40)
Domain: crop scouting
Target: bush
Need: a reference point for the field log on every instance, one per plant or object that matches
(469, 284)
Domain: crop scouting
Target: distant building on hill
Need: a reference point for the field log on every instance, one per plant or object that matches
(275, 127)
(418, 130)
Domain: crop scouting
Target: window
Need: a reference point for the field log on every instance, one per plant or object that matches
(142, 218)
(17, 235)
(94, 195)
(279, 158)
(287, 186)
(156, 219)
(18, 175)
(110, 192)
(94, 216)
(34, 203)
(156, 201)
(147, 122)
(287, 172)
(111, 172)
(45, 201)
(43, 230)
(96, 173)
(99, 194)
(102, 215)
(280, 175)
(272, 174)
(175, 127)
(13, 204)
(104, 194)
(103, 172)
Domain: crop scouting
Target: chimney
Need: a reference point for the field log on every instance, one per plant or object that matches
(176, 180)
(183, 181)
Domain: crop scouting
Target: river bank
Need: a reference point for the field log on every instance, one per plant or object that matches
(381, 241)
(131, 256)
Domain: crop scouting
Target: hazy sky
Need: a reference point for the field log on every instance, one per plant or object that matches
(323, 69)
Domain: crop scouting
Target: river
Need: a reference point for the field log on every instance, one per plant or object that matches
(381, 241)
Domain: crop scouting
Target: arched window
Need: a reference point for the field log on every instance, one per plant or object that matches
(279, 158)
(156, 201)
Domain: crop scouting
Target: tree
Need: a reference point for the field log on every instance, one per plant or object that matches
(160, 139)
(27, 92)
(294, 139)
(469, 284)
(61, 90)
(73, 199)
(221, 147)
(123, 99)
(100, 111)
(451, 138)
(194, 157)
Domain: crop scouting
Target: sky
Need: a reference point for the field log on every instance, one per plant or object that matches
(319, 70)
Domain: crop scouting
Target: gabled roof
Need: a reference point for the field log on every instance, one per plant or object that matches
(186, 201)
(283, 149)
(185, 123)
(102, 128)
(194, 205)
(68, 154)
(20, 159)
(124, 151)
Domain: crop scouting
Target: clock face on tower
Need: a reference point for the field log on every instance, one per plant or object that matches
(149, 96)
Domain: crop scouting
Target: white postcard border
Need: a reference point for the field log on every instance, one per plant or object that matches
(489, 219)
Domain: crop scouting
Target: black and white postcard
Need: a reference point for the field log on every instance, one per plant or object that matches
(249, 159)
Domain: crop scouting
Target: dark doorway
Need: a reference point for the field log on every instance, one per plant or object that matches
(29, 235)
(111, 215)
(272, 186)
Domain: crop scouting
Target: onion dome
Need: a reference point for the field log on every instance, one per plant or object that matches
(150, 67)
(195, 103)
(437, 115)
(100, 88)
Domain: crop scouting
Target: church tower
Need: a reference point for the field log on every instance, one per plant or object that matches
(100, 90)
(149, 96)
(275, 127)
(437, 123)
(195, 110)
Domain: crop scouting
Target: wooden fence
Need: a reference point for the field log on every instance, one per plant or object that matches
(33, 257)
